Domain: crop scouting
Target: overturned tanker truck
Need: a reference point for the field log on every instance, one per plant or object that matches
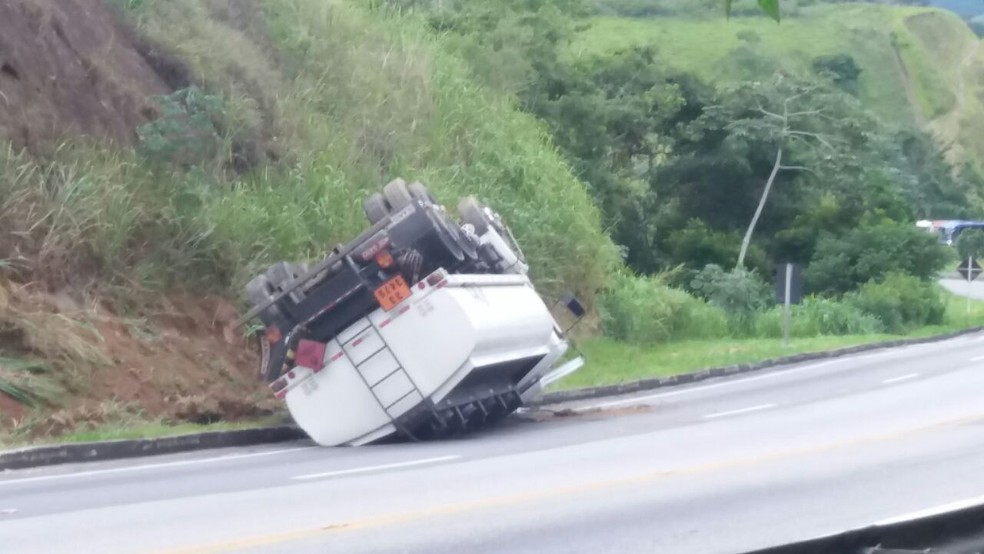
(421, 327)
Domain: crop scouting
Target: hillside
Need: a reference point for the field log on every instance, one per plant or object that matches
(154, 155)
(918, 65)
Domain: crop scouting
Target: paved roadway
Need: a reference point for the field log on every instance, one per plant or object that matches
(720, 467)
(960, 287)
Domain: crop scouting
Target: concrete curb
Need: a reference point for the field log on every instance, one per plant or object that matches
(712, 373)
(35, 456)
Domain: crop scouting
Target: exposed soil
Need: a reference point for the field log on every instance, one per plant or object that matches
(72, 67)
(184, 364)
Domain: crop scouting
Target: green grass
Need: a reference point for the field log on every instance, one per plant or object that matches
(140, 429)
(928, 41)
(610, 362)
(354, 99)
(159, 429)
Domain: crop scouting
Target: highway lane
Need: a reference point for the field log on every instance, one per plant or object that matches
(721, 466)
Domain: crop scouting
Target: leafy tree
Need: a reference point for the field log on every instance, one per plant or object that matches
(970, 244)
(842, 263)
(842, 70)
(806, 127)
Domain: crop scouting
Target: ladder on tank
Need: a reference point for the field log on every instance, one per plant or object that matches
(387, 380)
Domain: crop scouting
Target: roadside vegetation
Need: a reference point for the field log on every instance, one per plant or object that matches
(652, 157)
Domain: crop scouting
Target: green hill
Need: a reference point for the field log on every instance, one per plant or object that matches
(918, 65)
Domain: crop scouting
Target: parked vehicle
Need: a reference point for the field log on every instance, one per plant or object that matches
(422, 326)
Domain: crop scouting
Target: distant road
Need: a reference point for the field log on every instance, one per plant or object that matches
(974, 289)
(721, 467)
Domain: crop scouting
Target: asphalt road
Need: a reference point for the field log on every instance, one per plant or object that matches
(973, 289)
(720, 467)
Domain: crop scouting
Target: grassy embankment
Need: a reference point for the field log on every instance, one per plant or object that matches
(917, 64)
(327, 101)
(611, 362)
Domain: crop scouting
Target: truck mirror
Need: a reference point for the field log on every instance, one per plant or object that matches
(573, 305)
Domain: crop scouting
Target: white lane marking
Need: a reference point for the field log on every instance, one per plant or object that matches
(152, 466)
(741, 411)
(900, 378)
(376, 468)
(977, 359)
(8, 511)
(951, 507)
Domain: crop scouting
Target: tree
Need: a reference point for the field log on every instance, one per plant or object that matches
(842, 263)
(788, 116)
(970, 244)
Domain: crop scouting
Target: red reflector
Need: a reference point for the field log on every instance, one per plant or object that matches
(436, 277)
(337, 356)
(356, 342)
(280, 395)
(311, 353)
(404, 310)
(290, 375)
(279, 384)
(384, 259)
(385, 323)
(273, 334)
(421, 285)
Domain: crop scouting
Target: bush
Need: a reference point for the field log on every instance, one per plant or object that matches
(740, 293)
(644, 311)
(900, 302)
(843, 263)
(816, 317)
(185, 134)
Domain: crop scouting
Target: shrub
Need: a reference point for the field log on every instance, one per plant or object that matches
(900, 302)
(185, 133)
(643, 310)
(740, 293)
(816, 317)
(843, 263)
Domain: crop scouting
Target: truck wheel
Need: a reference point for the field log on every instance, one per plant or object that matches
(448, 234)
(375, 208)
(421, 193)
(472, 212)
(397, 194)
(282, 274)
(259, 291)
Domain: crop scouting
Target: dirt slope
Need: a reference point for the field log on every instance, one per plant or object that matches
(70, 67)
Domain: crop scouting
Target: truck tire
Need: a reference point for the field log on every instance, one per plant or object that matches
(449, 234)
(375, 208)
(397, 195)
(259, 291)
(420, 193)
(282, 274)
(472, 212)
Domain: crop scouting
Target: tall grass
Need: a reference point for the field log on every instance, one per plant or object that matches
(348, 99)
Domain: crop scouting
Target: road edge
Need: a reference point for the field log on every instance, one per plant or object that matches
(48, 455)
(731, 370)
